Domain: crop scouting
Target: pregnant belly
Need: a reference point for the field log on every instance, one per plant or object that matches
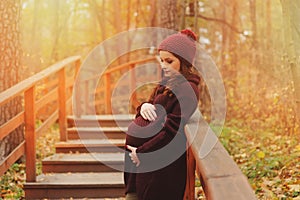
(141, 130)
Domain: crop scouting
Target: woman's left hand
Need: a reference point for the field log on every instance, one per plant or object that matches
(133, 155)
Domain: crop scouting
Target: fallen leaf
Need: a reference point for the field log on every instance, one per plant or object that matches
(260, 154)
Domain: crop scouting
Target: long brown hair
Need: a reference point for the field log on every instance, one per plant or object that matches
(186, 70)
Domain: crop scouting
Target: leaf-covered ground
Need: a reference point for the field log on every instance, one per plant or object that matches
(270, 161)
(11, 184)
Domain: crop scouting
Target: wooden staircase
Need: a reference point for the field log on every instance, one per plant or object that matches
(88, 165)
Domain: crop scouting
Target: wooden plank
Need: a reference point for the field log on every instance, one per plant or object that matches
(133, 86)
(86, 157)
(97, 133)
(231, 188)
(96, 102)
(214, 165)
(50, 84)
(120, 120)
(159, 72)
(11, 125)
(48, 98)
(84, 162)
(114, 117)
(190, 182)
(126, 65)
(107, 94)
(87, 146)
(62, 114)
(29, 107)
(69, 82)
(86, 99)
(123, 66)
(17, 153)
(19, 88)
(47, 124)
(76, 185)
(79, 179)
(99, 90)
(77, 108)
(69, 105)
(77, 67)
(217, 163)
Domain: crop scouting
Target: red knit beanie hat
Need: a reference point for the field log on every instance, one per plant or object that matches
(182, 44)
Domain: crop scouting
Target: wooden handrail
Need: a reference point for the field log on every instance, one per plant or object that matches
(19, 88)
(123, 66)
(27, 88)
(132, 63)
(220, 176)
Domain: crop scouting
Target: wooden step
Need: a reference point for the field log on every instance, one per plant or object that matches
(83, 162)
(96, 133)
(90, 145)
(102, 120)
(76, 185)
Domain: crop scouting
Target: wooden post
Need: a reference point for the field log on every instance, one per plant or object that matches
(133, 87)
(78, 105)
(159, 72)
(190, 181)
(107, 94)
(29, 107)
(77, 67)
(86, 97)
(62, 116)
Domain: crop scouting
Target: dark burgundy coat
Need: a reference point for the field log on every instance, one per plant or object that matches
(161, 144)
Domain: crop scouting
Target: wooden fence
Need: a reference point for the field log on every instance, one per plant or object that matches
(220, 176)
(57, 83)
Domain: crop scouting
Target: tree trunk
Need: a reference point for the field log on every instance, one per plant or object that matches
(291, 21)
(232, 39)
(100, 13)
(153, 17)
(9, 66)
(224, 38)
(167, 14)
(253, 20)
(269, 24)
(56, 30)
(183, 4)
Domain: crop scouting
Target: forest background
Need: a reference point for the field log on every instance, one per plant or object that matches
(255, 45)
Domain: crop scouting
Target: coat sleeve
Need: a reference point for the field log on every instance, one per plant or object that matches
(187, 101)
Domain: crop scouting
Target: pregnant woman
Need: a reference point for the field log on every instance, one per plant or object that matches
(155, 158)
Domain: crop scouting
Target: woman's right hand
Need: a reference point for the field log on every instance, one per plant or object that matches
(148, 111)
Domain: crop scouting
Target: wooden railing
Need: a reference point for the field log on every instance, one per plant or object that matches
(58, 82)
(220, 176)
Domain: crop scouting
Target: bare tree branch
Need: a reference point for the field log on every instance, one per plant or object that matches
(233, 28)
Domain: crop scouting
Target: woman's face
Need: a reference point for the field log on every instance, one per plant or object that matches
(169, 63)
